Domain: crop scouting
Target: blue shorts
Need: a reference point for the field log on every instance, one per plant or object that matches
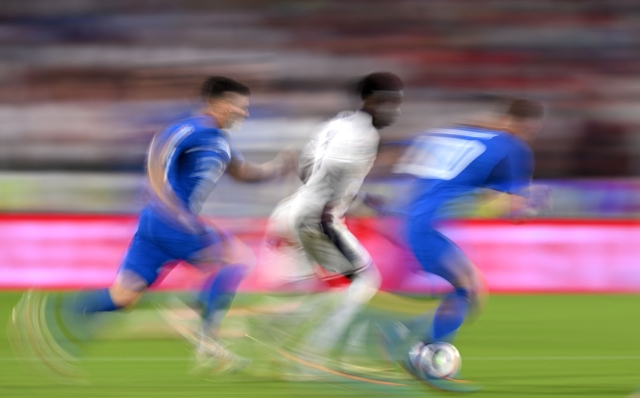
(436, 253)
(156, 244)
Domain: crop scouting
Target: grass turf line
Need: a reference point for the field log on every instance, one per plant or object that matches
(515, 349)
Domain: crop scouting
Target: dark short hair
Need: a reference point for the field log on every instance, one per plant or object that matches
(216, 86)
(523, 108)
(378, 81)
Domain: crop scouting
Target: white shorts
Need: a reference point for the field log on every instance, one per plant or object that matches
(330, 245)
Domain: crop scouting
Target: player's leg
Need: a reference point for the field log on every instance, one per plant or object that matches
(139, 269)
(439, 256)
(336, 249)
(219, 290)
(467, 298)
(121, 294)
(142, 263)
(286, 265)
(403, 341)
(333, 246)
(229, 261)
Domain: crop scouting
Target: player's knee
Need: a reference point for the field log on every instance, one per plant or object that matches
(123, 297)
(468, 278)
(372, 276)
(365, 284)
(246, 257)
(464, 293)
(239, 253)
(472, 289)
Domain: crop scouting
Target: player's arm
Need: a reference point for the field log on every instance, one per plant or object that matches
(519, 206)
(512, 176)
(242, 170)
(520, 161)
(209, 165)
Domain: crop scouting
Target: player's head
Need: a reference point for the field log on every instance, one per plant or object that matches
(382, 95)
(524, 117)
(227, 100)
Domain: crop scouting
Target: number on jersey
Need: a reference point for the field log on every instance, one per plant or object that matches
(440, 158)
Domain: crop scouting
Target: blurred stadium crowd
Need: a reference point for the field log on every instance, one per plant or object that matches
(85, 84)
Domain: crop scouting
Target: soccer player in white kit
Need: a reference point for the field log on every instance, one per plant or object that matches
(310, 224)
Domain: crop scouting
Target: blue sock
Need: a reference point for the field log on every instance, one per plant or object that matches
(450, 315)
(78, 309)
(92, 301)
(218, 293)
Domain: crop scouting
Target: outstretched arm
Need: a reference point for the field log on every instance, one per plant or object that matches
(242, 170)
(537, 200)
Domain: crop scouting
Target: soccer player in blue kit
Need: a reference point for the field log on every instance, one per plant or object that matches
(449, 164)
(185, 162)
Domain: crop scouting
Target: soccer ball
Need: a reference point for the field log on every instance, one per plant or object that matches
(435, 360)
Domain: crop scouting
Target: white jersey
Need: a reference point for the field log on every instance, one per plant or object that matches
(335, 164)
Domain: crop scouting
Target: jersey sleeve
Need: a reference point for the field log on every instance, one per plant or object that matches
(512, 174)
(521, 164)
(205, 160)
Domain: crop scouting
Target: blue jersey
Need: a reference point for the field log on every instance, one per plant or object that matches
(195, 154)
(452, 162)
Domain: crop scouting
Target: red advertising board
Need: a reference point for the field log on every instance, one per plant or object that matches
(72, 251)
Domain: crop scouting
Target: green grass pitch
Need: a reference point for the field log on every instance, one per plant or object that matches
(522, 346)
